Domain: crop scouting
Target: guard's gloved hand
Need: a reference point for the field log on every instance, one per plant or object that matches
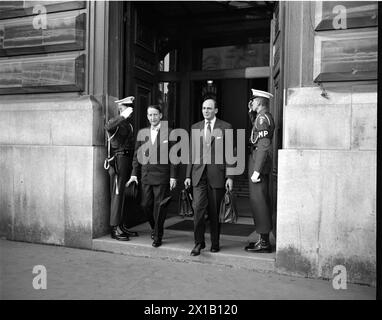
(187, 183)
(229, 184)
(132, 179)
(127, 112)
(172, 183)
(255, 177)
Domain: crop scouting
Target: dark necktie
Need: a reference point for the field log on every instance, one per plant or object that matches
(208, 133)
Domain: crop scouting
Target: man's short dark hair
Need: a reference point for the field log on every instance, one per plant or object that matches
(209, 97)
(155, 106)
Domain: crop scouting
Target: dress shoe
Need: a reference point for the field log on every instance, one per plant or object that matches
(152, 234)
(128, 232)
(215, 249)
(117, 235)
(197, 248)
(260, 246)
(157, 243)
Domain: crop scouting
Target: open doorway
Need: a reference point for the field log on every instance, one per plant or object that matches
(175, 51)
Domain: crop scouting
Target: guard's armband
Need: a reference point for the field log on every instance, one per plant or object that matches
(262, 134)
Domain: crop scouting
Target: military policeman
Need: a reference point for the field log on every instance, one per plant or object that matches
(119, 164)
(259, 168)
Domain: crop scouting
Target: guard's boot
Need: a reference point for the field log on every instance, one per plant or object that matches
(127, 231)
(261, 245)
(118, 235)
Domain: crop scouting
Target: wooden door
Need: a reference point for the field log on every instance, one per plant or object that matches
(141, 61)
(140, 72)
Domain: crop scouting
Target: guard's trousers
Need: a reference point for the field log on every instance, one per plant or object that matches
(259, 200)
(119, 175)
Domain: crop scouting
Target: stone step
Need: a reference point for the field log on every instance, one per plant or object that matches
(177, 246)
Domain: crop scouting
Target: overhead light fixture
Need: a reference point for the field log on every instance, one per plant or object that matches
(240, 4)
(210, 82)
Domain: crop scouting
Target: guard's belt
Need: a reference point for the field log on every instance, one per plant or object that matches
(122, 153)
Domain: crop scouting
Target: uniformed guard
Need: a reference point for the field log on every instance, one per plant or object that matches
(119, 164)
(259, 168)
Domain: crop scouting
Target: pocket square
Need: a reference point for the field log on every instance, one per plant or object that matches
(165, 141)
(219, 137)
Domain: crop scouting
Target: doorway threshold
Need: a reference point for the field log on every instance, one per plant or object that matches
(177, 245)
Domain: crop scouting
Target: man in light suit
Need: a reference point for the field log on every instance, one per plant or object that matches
(157, 174)
(208, 174)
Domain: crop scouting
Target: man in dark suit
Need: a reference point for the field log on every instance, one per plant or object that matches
(119, 164)
(207, 171)
(158, 176)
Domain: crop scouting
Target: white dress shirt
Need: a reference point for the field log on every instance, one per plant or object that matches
(154, 133)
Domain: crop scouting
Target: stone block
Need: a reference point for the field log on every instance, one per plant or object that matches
(364, 126)
(101, 200)
(364, 93)
(336, 94)
(326, 213)
(49, 194)
(78, 196)
(317, 126)
(34, 193)
(74, 121)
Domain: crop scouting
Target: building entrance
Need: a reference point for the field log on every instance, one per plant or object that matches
(178, 52)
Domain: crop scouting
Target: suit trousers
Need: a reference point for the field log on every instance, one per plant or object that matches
(152, 195)
(259, 201)
(206, 200)
(119, 175)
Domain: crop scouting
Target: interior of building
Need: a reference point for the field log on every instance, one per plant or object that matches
(177, 53)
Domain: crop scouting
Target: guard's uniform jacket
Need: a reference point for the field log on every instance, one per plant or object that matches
(261, 142)
(123, 141)
(260, 160)
(121, 136)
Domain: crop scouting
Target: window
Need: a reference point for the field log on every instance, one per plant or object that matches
(346, 41)
(169, 62)
(236, 57)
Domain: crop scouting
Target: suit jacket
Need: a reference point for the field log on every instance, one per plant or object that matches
(217, 169)
(152, 171)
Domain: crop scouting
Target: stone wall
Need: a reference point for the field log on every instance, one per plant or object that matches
(326, 210)
(53, 188)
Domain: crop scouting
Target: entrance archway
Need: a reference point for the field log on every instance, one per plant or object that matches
(173, 50)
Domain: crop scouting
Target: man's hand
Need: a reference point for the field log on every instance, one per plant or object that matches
(132, 178)
(187, 183)
(255, 177)
(229, 184)
(127, 112)
(172, 183)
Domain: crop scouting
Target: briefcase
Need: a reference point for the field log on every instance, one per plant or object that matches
(132, 192)
(185, 204)
(228, 212)
(131, 199)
